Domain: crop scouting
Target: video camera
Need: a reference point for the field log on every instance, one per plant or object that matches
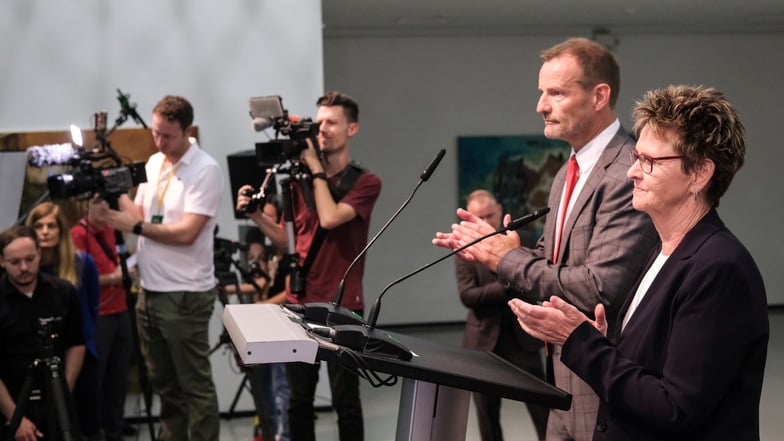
(98, 170)
(223, 251)
(268, 112)
(109, 182)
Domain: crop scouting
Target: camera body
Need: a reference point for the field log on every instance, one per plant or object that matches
(108, 181)
(268, 112)
(278, 151)
(49, 329)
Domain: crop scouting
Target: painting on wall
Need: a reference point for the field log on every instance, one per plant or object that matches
(517, 169)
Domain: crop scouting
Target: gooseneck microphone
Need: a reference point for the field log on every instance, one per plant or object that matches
(372, 317)
(370, 340)
(332, 313)
(422, 178)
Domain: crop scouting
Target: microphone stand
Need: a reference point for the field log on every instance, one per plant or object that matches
(123, 254)
(332, 313)
(337, 317)
(141, 367)
(371, 340)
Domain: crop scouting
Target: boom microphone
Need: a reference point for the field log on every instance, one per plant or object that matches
(515, 224)
(332, 313)
(129, 109)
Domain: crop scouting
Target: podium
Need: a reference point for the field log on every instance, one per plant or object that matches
(437, 381)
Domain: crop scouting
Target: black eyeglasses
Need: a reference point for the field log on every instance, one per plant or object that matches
(646, 162)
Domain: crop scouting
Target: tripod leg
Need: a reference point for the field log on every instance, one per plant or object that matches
(243, 386)
(21, 403)
(61, 401)
(141, 367)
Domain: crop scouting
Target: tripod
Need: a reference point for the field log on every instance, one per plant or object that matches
(226, 277)
(58, 399)
(141, 368)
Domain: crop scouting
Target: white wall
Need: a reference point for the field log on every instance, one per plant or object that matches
(63, 61)
(418, 95)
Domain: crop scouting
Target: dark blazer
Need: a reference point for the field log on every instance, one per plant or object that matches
(689, 364)
(488, 312)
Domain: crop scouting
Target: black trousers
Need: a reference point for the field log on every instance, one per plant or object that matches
(115, 341)
(344, 386)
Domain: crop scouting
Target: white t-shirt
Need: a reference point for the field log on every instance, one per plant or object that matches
(195, 186)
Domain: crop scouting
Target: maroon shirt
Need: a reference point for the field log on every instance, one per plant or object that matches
(340, 246)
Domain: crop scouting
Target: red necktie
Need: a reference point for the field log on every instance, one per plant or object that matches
(572, 172)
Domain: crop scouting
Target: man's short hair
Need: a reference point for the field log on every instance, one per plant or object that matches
(17, 231)
(175, 109)
(480, 195)
(598, 63)
(349, 104)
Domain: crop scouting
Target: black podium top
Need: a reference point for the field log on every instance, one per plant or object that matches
(460, 368)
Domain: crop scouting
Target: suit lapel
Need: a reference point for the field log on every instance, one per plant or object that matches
(608, 156)
(706, 227)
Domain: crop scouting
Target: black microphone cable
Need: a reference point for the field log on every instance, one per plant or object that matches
(358, 364)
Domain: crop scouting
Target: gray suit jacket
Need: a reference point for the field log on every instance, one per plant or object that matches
(604, 245)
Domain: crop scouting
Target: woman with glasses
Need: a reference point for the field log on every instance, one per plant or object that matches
(688, 360)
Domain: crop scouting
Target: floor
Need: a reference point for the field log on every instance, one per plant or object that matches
(380, 405)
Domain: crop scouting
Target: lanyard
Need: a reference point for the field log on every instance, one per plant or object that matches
(161, 194)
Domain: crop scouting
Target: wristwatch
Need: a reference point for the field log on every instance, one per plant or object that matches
(137, 228)
(320, 175)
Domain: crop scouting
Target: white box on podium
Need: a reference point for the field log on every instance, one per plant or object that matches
(268, 334)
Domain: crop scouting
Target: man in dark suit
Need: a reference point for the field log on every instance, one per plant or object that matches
(491, 326)
(592, 249)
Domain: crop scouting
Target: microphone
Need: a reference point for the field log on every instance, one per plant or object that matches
(332, 313)
(431, 168)
(51, 154)
(129, 109)
(515, 224)
(378, 342)
(262, 123)
(333, 319)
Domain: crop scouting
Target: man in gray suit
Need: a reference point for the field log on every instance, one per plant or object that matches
(593, 248)
(491, 326)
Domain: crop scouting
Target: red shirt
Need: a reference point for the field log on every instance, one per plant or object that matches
(340, 246)
(84, 238)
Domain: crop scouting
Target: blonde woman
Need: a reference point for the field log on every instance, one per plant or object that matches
(59, 258)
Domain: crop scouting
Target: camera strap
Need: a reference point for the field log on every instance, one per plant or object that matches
(104, 246)
(346, 182)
